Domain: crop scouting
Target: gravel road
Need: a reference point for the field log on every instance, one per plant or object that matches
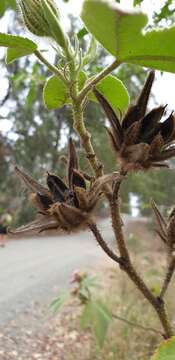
(31, 270)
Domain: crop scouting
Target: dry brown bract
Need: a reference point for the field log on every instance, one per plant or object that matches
(63, 205)
(141, 141)
(165, 227)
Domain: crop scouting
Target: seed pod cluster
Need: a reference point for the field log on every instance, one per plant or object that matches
(63, 205)
(140, 140)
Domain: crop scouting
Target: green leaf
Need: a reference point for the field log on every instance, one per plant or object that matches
(17, 46)
(85, 319)
(13, 41)
(5, 4)
(166, 351)
(12, 4)
(90, 281)
(2, 8)
(126, 38)
(114, 91)
(97, 316)
(55, 93)
(13, 54)
(81, 33)
(58, 302)
(103, 318)
(137, 2)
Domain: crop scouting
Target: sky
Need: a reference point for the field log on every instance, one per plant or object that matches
(164, 86)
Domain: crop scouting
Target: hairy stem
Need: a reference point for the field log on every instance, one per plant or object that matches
(168, 277)
(97, 79)
(131, 272)
(51, 67)
(128, 267)
(163, 317)
(79, 125)
(77, 108)
(85, 137)
(134, 324)
(93, 227)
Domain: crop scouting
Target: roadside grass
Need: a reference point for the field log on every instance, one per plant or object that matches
(125, 341)
(61, 337)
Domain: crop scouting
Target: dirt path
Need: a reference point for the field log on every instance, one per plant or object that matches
(33, 270)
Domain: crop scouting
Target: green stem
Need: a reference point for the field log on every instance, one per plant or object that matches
(85, 138)
(97, 79)
(78, 121)
(51, 67)
(78, 118)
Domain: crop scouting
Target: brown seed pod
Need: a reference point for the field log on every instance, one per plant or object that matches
(140, 140)
(64, 205)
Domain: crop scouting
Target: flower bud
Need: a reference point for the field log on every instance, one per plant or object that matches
(34, 16)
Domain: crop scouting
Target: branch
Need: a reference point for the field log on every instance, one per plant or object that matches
(6, 97)
(79, 125)
(96, 80)
(117, 184)
(85, 137)
(136, 324)
(102, 243)
(168, 277)
(117, 223)
(124, 259)
(51, 67)
(128, 267)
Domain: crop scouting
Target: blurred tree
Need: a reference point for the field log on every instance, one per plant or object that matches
(165, 14)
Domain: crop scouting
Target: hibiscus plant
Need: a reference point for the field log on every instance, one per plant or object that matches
(140, 139)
